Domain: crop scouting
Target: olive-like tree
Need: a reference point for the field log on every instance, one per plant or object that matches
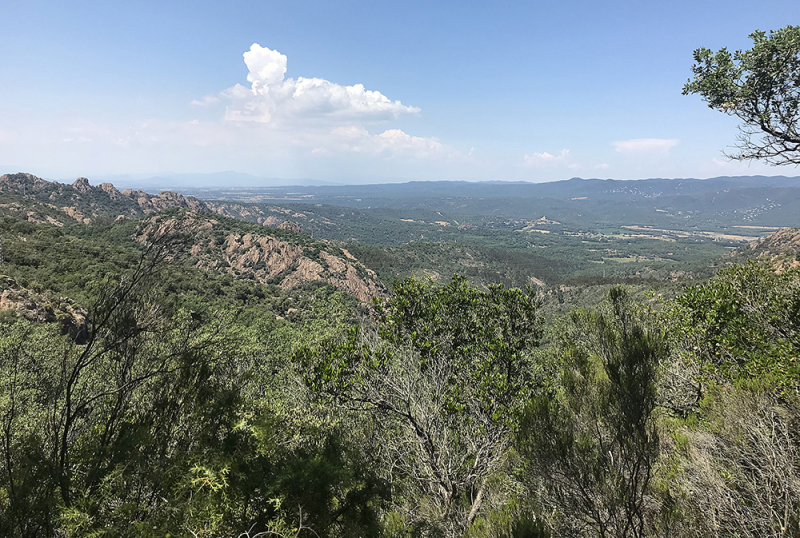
(760, 86)
(440, 380)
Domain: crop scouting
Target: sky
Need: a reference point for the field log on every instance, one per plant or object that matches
(369, 92)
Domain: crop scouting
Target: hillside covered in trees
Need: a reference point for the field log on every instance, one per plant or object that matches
(168, 370)
(417, 361)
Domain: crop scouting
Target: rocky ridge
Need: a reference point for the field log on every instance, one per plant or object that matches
(34, 199)
(287, 262)
(285, 257)
(781, 249)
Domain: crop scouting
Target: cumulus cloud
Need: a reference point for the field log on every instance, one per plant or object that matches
(545, 159)
(273, 98)
(311, 116)
(646, 145)
(392, 142)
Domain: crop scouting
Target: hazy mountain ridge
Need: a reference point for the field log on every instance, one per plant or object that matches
(681, 203)
(585, 229)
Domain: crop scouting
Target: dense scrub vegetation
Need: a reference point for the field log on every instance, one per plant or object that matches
(143, 395)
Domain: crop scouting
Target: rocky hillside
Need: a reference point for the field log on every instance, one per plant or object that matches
(267, 250)
(287, 258)
(781, 248)
(27, 197)
(43, 307)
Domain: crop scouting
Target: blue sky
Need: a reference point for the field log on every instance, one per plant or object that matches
(362, 92)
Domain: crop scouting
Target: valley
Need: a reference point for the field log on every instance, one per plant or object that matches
(212, 345)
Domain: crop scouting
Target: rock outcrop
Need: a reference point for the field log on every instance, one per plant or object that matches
(46, 201)
(781, 249)
(82, 185)
(266, 258)
(42, 308)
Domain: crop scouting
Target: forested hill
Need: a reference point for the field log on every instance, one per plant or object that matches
(721, 201)
(167, 370)
(53, 234)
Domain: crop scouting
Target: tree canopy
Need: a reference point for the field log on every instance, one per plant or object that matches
(760, 86)
(443, 378)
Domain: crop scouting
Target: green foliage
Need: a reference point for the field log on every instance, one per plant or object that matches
(149, 393)
(743, 325)
(761, 86)
(156, 423)
(593, 446)
(442, 379)
(482, 335)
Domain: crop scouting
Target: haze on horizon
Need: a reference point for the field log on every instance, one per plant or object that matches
(365, 93)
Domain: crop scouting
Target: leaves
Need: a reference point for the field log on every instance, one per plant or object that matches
(761, 86)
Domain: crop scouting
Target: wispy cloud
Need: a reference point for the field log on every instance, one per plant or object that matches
(546, 159)
(208, 100)
(646, 145)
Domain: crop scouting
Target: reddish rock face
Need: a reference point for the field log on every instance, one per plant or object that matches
(781, 248)
(267, 258)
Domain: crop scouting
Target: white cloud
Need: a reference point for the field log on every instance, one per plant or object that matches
(397, 141)
(310, 115)
(546, 159)
(646, 145)
(273, 98)
(208, 100)
(350, 132)
(308, 127)
(392, 142)
(73, 139)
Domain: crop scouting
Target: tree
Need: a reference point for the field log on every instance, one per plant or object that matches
(760, 86)
(441, 380)
(593, 446)
(742, 326)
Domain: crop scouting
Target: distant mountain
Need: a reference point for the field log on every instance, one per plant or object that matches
(516, 233)
(677, 203)
(215, 180)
